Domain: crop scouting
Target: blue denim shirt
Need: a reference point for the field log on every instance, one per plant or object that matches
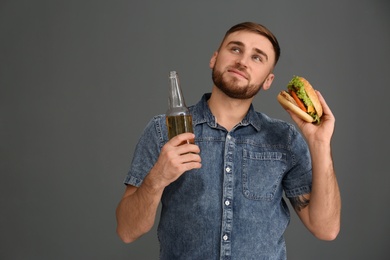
(233, 207)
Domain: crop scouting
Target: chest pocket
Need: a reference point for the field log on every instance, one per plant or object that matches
(262, 173)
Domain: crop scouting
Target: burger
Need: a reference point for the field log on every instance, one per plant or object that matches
(301, 99)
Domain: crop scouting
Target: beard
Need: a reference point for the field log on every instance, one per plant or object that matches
(231, 87)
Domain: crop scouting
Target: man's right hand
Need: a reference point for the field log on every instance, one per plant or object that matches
(175, 158)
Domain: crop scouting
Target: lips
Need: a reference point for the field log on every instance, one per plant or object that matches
(238, 72)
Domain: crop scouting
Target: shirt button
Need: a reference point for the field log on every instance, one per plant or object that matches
(228, 169)
(227, 203)
(225, 237)
(229, 137)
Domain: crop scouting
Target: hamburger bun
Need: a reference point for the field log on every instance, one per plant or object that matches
(310, 91)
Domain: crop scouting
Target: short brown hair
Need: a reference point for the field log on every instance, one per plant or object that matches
(259, 29)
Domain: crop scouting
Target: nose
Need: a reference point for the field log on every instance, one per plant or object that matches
(242, 61)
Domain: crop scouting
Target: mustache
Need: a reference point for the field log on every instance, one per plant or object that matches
(239, 68)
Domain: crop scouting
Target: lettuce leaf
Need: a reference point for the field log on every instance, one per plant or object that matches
(297, 85)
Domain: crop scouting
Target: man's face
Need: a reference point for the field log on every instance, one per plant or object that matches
(243, 65)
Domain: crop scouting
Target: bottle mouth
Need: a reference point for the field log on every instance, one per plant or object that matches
(172, 74)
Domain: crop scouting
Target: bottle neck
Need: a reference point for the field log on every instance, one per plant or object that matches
(176, 98)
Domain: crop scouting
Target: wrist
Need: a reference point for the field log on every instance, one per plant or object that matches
(152, 184)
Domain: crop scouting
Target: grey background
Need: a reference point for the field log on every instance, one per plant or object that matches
(80, 79)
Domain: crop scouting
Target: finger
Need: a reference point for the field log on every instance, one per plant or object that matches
(190, 157)
(186, 162)
(325, 106)
(192, 165)
(182, 138)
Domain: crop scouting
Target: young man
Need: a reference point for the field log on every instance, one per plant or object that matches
(222, 196)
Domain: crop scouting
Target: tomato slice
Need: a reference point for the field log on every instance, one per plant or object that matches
(300, 104)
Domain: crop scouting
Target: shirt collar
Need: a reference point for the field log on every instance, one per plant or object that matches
(202, 114)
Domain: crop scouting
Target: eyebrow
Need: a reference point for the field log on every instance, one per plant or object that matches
(255, 49)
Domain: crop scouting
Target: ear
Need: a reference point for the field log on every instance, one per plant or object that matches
(268, 81)
(213, 60)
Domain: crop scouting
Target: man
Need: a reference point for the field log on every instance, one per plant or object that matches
(222, 196)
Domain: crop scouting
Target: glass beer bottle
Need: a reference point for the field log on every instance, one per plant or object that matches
(178, 117)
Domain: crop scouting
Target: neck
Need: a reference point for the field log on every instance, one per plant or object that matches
(228, 111)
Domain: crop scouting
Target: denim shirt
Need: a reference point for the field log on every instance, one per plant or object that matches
(232, 207)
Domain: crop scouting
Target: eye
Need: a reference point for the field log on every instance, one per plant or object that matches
(257, 58)
(235, 49)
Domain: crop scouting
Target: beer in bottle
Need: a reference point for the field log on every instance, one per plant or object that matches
(178, 117)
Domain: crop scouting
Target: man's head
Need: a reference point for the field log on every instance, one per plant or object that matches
(258, 29)
(245, 60)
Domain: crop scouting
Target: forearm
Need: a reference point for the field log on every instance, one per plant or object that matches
(325, 203)
(136, 213)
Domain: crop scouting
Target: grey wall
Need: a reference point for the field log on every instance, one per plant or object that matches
(80, 79)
